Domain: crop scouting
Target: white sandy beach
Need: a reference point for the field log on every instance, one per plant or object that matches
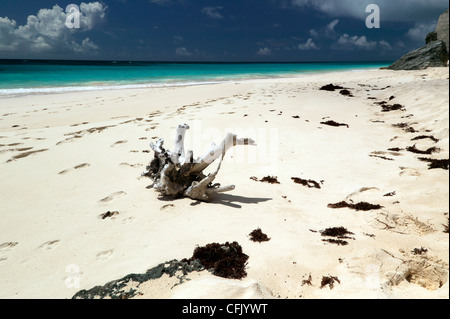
(68, 158)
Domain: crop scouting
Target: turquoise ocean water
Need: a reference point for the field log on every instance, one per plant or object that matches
(27, 76)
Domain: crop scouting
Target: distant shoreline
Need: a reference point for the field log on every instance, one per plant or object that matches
(44, 77)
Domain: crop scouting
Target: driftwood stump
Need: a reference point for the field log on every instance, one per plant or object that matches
(176, 173)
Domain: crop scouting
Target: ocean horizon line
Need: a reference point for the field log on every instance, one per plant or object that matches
(193, 62)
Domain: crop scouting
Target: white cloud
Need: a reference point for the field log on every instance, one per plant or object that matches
(398, 10)
(351, 42)
(308, 45)
(347, 42)
(264, 51)
(212, 12)
(384, 45)
(92, 14)
(332, 25)
(420, 31)
(329, 31)
(341, 41)
(86, 45)
(326, 31)
(162, 2)
(182, 52)
(313, 33)
(178, 39)
(47, 32)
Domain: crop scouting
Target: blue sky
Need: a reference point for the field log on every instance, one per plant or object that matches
(213, 30)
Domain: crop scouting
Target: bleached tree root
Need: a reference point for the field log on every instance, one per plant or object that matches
(177, 174)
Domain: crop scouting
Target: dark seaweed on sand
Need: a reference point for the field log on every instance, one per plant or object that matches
(309, 183)
(223, 260)
(339, 232)
(390, 194)
(414, 149)
(421, 137)
(333, 123)
(258, 236)
(419, 251)
(329, 280)
(331, 87)
(338, 242)
(270, 179)
(395, 149)
(109, 214)
(435, 163)
(405, 127)
(307, 281)
(382, 157)
(364, 206)
(389, 108)
(267, 179)
(346, 92)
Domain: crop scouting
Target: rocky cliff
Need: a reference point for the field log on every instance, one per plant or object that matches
(434, 53)
(442, 29)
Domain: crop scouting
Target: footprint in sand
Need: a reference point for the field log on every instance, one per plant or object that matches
(112, 197)
(84, 165)
(8, 246)
(131, 165)
(364, 191)
(50, 245)
(129, 220)
(119, 142)
(167, 207)
(105, 255)
(411, 172)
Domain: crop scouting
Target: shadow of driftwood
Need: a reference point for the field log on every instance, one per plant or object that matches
(221, 199)
(233, 200)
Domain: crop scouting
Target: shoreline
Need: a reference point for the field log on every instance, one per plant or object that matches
(68, 159)
(167, 83)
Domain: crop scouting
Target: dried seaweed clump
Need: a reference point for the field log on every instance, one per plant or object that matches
(333, 123)
(414, 149)
(223, 260)
(329, 281)
(331, 87)
(346, 92)
(267, 179)
(364, 206)
(337, 232)
(419, 251)
(436, 163)
(405, 126)
(389, 108)
(421, 137)
(258, 236)
(109, 214)
(309, 183)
